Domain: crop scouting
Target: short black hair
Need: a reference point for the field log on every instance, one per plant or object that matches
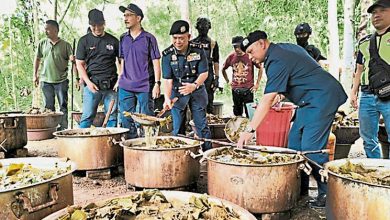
(54, 24)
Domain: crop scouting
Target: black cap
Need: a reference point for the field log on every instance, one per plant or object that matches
(237, 40)
(132, 8)
(252, 37)
(179, 27)
(95, 17)
(381, 3)
(302, 28)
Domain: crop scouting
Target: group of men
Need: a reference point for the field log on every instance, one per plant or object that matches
(190, 69)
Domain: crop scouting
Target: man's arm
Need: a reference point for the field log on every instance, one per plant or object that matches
(168, 84)
(157, 77)
(355, 86)
(259, 75)
(224, 74)
(37, 62)
(81, 67)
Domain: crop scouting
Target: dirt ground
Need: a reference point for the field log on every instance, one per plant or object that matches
(87, 190)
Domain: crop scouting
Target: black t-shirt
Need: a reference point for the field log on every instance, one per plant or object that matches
(99, 53)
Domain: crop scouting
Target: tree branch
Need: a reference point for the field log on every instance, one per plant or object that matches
(66, 10)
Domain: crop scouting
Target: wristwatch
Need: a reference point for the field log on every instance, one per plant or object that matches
(158, 83)
(249, 129)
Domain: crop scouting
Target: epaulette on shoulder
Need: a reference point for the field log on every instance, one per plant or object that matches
(169, 50)
(196, 45)
(365, 38)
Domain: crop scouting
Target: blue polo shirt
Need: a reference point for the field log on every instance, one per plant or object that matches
(138, 53)
(292, 72)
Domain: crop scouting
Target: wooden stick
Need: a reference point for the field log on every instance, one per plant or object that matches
(165, 109)
(108, 113)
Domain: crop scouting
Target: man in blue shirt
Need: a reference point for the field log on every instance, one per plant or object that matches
(139, 80)
(184, 67)
(293, 73)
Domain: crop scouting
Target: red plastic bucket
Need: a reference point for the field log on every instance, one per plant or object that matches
(274, 129)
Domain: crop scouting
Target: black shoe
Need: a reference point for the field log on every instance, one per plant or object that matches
(318, 203)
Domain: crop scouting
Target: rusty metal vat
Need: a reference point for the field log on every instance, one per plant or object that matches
(160, 168)
(91, 152)
(35, 201)
(353, 199)
(13, 131)
(43, 121)
(183, 197)
(266, 188)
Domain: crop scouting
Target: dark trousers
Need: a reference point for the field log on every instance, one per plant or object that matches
(50, 91)
(241, 96)
(210, 97)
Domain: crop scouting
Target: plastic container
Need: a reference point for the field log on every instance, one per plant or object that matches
(274, 129)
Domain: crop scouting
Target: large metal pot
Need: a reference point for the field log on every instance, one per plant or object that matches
(42, 121)
(266, 188)
(352, 199)
(13, 132)
(217, 130)
(35, 201)
(91, 152)
(160, 168)
(183, 197)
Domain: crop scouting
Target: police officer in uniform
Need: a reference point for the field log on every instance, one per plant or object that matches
(185, 69)
(210, 46)
(293, 73)
(302, 33)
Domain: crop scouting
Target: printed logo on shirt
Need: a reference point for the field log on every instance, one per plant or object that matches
(92, 48)
(110, 47)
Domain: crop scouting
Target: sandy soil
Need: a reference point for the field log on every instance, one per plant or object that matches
(88, 190)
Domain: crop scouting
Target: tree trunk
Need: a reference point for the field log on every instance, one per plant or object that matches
(348, 46)
(55, 9)
(36, 102)
(334, 54)
(185, 9)
(365, 18)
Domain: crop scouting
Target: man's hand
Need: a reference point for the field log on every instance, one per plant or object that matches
(354, 100)
(92, 87)
(116, 86)
(168, 103)
(187, 88)
(254, 88)
(36, 80)
(245, 137)
(215, 83)
(156, 91)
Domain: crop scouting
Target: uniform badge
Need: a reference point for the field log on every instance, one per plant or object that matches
(109, 47)
(193, 56)
(182, 29)
(174, 57)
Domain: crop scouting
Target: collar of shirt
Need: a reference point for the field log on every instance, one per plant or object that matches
(143, 32)
(270, 48)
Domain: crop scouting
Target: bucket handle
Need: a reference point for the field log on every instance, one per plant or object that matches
(23, 203)
(14, 124)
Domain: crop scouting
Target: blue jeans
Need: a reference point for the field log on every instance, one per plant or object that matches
(133, 102)
(370, 109)
(198, 111)
(91, 102)
(310, 136)
(50, 90)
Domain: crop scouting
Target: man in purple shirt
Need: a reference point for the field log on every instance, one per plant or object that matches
(139, 80)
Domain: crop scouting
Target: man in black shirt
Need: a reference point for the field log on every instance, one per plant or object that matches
(302, 33)
(96, 56)
(210, 46)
